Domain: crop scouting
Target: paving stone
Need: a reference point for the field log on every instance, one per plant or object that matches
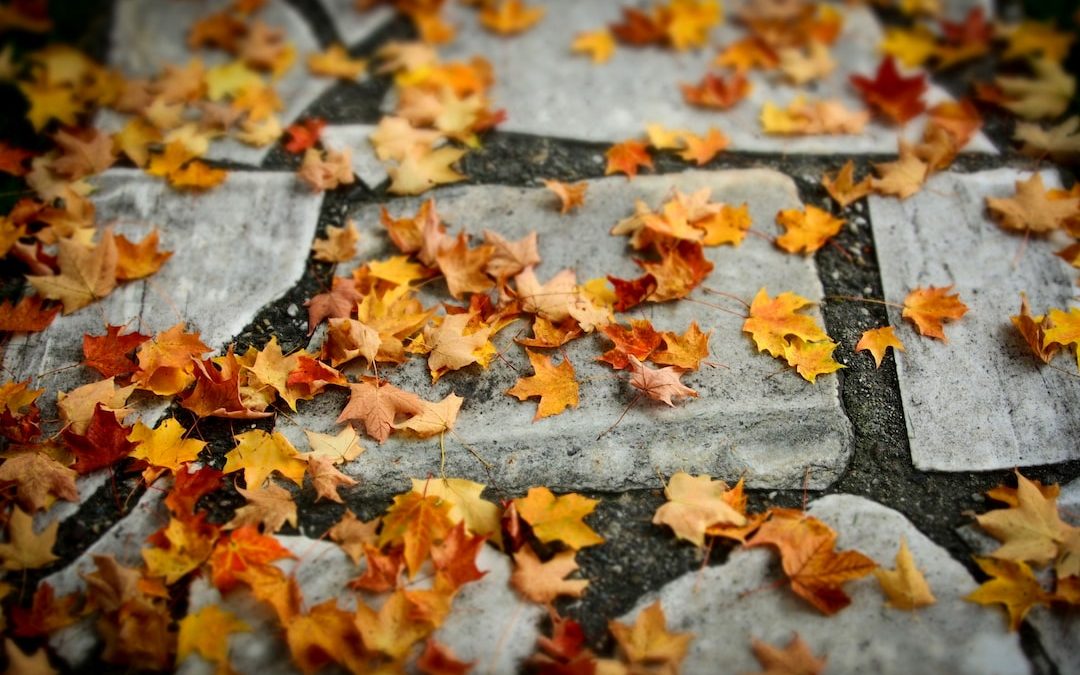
(727, 605)
(354, 26)
(148, 35)
(570, 97)
(981, 401)
(216, 280)
(355, 137)
(489, 623)
(750, 420)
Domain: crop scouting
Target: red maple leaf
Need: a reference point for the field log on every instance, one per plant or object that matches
(28, 316)
(895, 96)
(243, 549)
(110, 354)
(304, 134)
(189, 488)
(633, 292)
(104, 443)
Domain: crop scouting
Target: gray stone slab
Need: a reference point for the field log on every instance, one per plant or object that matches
(749, 420)
(570, 97)
(355, 137)
(147, 35)
(216, 280)
(727, 605)
(354, 26)
(981, 401)
(489, 623)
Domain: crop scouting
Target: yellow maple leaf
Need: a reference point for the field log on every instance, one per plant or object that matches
(542, 582)
(877, 341)
(164, 447)
(929, 308)
(206, 633)
(773, 320)
(1012, 584)
(806, 230)
(599, 45)
(26, 549)
(554, 385)
(696, 503)
(558, 518)
(258, 454)
(905, 587)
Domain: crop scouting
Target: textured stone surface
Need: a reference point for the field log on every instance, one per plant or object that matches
(981, 401)
(570, 97)
(727, 605)
(489, 624)
(354, 26)
(355, 137)
(215, 281)
(749, 420)
(148, 34)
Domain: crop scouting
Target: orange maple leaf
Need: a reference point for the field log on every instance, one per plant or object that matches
(554, 385)
(929, 308)
(627, 157)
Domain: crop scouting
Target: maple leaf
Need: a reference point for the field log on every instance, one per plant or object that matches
(28, 316)
(728, 226)
(464, 268)
(747, 54)
(794, 659)
(77, 406)
(509, 258)
(85, 154)
(680, 270)
(239, 553)
(550, 300)
(344, 447)
(326, 479)
(455, 558)
(877, 341)
(180, 547)
(26, 549)
(259, 454)
(87, 273)
(103, 443)
(811, 359)
(337, 303)
(339, 244)
(393, 630)
(1032, 209)
(555, 386)
(843, 188)
(716, 92)
(509, 17)
(806, 230)
(304, 134)
(466, 505)
(1011, 584)
(1061, 142)
(378, 405)
(599, 45)
(189, 487)
(901, 178)
(905, 587)
(326, 170)
(627, 157)
(110, 354)
(630, 294)
(417, 522)
(658, 384)
(422, 170)
(438, 659)
(38, 479)
(206, 633)
(271, 506)
(807, 552)
(13, 160)
(682, 351)
(895, 96)
(960, 118)
(571, 195)
(648, 644)
(1045, 95)
(773, 320)
(1030, 530)
(1033, 330)
(452, 348)
(801, 67)
(167, 362)
(19, 661)
(558, 518)
(542, 582)
(164, 447)
(434, 418)
(929, 308)
(353, 535)
(696, 503)
(1064, 330)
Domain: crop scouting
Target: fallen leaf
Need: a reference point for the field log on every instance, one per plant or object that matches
(929, 308)
(773, 320)
(26, 549)
(895, 96)
(807, 230)
(599, 45)
(558, 518)
(555, 386)
(270, 506)
(877, 341)
(87, 273)
(647, 643)
(206, 632)
(696, 503)
(571, 195)
(542, 582)
(627, 157)
(339, 244)
(843, 188)
(259, 454)
(1032, 209)
(905, 587)
(434, 418)
(794, 659)
(659, 384)
(1011, 584)
(377, 405)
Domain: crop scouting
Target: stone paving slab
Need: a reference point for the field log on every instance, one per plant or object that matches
(549, 91)
(149, 34)
(981, 401)
(727, 605)
(216, 280)
(365, 164)
(749, 420)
